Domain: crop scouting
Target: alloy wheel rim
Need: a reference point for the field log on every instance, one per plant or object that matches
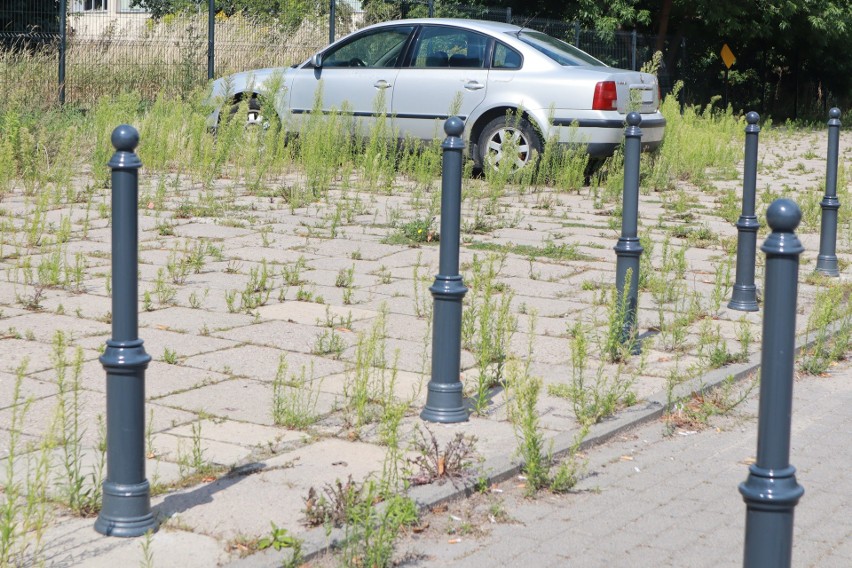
(505, 142)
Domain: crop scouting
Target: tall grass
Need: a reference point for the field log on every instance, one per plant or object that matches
(696, 139)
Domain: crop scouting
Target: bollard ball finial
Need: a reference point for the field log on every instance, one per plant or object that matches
(834, 113)
(783, 216)
(752, 117)
(125, 138)
(634, 119)
(454, 126)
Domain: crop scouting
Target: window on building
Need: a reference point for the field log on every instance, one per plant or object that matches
(125, 6)
(89, 6)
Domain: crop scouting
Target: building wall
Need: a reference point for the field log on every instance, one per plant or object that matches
(106, 19)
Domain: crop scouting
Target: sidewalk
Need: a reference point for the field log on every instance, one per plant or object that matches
(655, 500)
(220, 467)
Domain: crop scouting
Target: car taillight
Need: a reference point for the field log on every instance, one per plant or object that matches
(606, 97)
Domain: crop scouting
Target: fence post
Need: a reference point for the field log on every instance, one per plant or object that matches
(744, 296)
(63, 39)
(633, 46)
(332, 16)
(628, 250)
(827, 259)
(576, 34)
(444, 400)
(431, 8)
(771, 491)
(508, 14)
(126, 509)
(211, 35)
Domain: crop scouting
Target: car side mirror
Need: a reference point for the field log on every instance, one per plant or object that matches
(316, 60)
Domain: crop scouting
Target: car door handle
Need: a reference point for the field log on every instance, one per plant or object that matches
(473, 85)
(382, 84)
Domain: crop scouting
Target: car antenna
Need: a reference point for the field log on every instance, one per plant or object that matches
(524, 25)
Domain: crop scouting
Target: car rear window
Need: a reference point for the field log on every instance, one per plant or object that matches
(559, 51)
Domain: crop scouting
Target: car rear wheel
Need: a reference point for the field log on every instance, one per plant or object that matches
(508, 140)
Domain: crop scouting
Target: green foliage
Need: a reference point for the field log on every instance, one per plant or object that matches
(374, 521)
(830, 329)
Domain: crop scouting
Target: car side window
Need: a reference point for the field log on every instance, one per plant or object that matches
(506, 58)
(442, 47)
(381, 48)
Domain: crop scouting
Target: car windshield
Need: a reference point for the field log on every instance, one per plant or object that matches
(559, 51)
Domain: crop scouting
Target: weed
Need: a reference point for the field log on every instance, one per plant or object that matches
(830, 305)
(368, 380)
(81, 494)
(373, 524)
(433, 463)
(695, 412)
(329, 507)
(294, 398)
(413, 232)
(329, 342)
(279, 539)
(591, 400)
(536, 455)
(487, 326)
(147, 551)
(170, 356)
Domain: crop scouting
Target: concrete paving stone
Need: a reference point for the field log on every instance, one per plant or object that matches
(209, 229)
(163, 379)
(262, 362)
(92, 374)
(176, 448)
(218, 508)
(74, 542)
(544, 326)
(276, 256)
(563, 308)
(184, 345)
(240, 399)
(410, 257)
(193, 321)
(403, 326)
(297, 337)
(43, 326)
(216, 281)
(30, 389)
(42, 414)
(254, 436)
(337, 248)
(547, 350)
(308, 313)
(408, 386)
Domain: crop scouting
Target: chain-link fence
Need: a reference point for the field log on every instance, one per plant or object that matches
(111, 46)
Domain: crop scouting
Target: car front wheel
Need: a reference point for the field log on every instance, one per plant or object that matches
(508, 141)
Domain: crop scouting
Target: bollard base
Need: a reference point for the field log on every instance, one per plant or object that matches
(827, 265)
(744, 298)
(126, 510)
(444, 403)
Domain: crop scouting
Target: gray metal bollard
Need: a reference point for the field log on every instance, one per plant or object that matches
(444, 399)
(771, 491)
(126, 510)
(628, 250)
(827, 259)
(744, 296)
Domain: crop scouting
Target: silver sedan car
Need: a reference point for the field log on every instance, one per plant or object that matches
(508, 83)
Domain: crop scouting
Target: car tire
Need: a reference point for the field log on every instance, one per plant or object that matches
(503, 130)
(253, 116)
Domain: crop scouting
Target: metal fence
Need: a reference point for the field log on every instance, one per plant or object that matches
(111, 47)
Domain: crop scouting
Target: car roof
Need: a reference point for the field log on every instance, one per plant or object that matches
(478, 25)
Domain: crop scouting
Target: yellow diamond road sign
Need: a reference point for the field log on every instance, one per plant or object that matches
(728, 56)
